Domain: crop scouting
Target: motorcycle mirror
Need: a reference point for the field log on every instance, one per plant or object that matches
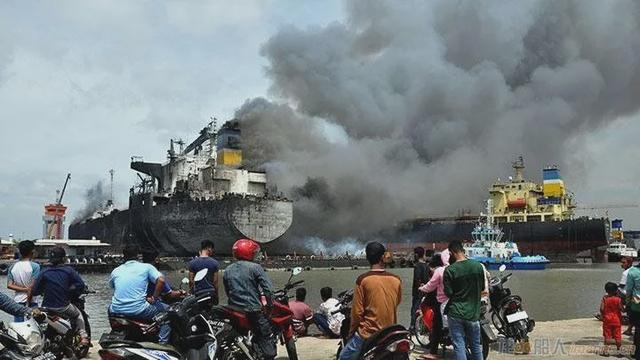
(185, 281)
(296, 271)
(502, 268)
(200, 275)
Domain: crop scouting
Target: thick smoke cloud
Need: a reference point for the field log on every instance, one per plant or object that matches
(414, 108)
(95, 199)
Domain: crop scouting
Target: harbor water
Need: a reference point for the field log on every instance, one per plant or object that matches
(561, 292)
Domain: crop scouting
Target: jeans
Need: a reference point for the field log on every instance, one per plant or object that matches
(323, 325)
(352, 349)
(415, 304)
(263, 338)
(436, 331)
(20, 318)
(634, 319)
(459, 329)
(75, 316)
(149, 313)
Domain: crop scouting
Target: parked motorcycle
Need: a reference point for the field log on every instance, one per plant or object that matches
(507, 313)
(63, 341)
(393, 342)
(194, 333)
(237, 344)
(24, 341)
(425, 323)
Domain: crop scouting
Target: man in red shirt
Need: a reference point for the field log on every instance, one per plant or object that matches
(302, 313)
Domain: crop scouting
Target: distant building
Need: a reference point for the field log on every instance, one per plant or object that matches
(74, 248)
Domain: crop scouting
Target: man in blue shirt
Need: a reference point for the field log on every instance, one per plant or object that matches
(205, 260)
(129, 282)
(168, 295)
(56, 283)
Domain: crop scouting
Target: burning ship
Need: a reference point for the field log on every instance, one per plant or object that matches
(539, 217)
(201, 192)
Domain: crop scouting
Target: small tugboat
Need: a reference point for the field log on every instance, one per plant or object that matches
(617, 251)
(617, 248)
(489, 248)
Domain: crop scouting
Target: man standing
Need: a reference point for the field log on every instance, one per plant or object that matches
(129, 282)
(420, 277)
(56, 284)
(632, 288)
(21, 275)
(205, 260)
(626, 262)
(375, 301)
(464, 280)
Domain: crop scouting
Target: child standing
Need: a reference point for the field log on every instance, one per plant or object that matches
(611, 309)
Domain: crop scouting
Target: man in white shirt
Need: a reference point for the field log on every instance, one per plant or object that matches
(328, 323)
(21, 275)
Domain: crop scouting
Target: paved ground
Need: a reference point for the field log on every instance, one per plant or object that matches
(567, 339)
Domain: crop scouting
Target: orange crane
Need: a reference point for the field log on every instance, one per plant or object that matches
(54, 216)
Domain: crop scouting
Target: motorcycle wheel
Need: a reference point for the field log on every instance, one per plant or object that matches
(423, 335)
(291, 349)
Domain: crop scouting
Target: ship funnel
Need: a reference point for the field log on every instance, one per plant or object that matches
(518, 166)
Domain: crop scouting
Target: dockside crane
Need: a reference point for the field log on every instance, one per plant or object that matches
(54, 215)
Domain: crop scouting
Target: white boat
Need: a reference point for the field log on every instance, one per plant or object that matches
(489, 248)
(617, 250)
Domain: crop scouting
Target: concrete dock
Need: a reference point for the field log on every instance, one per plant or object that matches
(565, 339)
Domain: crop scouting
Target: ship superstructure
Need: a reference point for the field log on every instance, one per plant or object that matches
(521, 200)
(201, 192)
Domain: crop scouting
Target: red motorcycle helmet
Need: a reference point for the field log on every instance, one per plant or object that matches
(245, 249)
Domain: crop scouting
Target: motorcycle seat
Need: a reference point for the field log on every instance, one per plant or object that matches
(390, 332)
(160, 347)
(125, 320)
(234, 308)
(53, 312)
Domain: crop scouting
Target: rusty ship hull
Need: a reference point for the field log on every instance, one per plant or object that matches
(177, 227)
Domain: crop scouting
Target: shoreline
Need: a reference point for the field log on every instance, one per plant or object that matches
(561, 339)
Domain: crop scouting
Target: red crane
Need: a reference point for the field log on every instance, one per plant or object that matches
(54, 216)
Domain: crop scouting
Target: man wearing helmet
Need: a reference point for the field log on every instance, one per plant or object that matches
(244, 282)
(375, 301)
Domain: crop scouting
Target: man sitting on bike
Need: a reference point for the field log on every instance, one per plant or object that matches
(54, 283)
(244, 281)
(11, 307)
(168, 295)
(375, 301)
(129, 282)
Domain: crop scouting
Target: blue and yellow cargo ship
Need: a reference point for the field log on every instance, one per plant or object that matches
(538, 216)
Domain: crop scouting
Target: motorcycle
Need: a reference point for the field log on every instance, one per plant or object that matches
(194, 333)
(508, 315)
(393, 342)
(63, 341)
(237, 342)
(24, 340)
(425, 323)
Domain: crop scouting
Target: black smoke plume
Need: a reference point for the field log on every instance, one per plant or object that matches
(409, 108)
(95, 199)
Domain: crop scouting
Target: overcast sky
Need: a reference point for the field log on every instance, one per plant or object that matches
(86, 85)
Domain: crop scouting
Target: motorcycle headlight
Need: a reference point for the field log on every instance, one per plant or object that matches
(33, 345)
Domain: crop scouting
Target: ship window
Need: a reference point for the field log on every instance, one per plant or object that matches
(519, 187)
